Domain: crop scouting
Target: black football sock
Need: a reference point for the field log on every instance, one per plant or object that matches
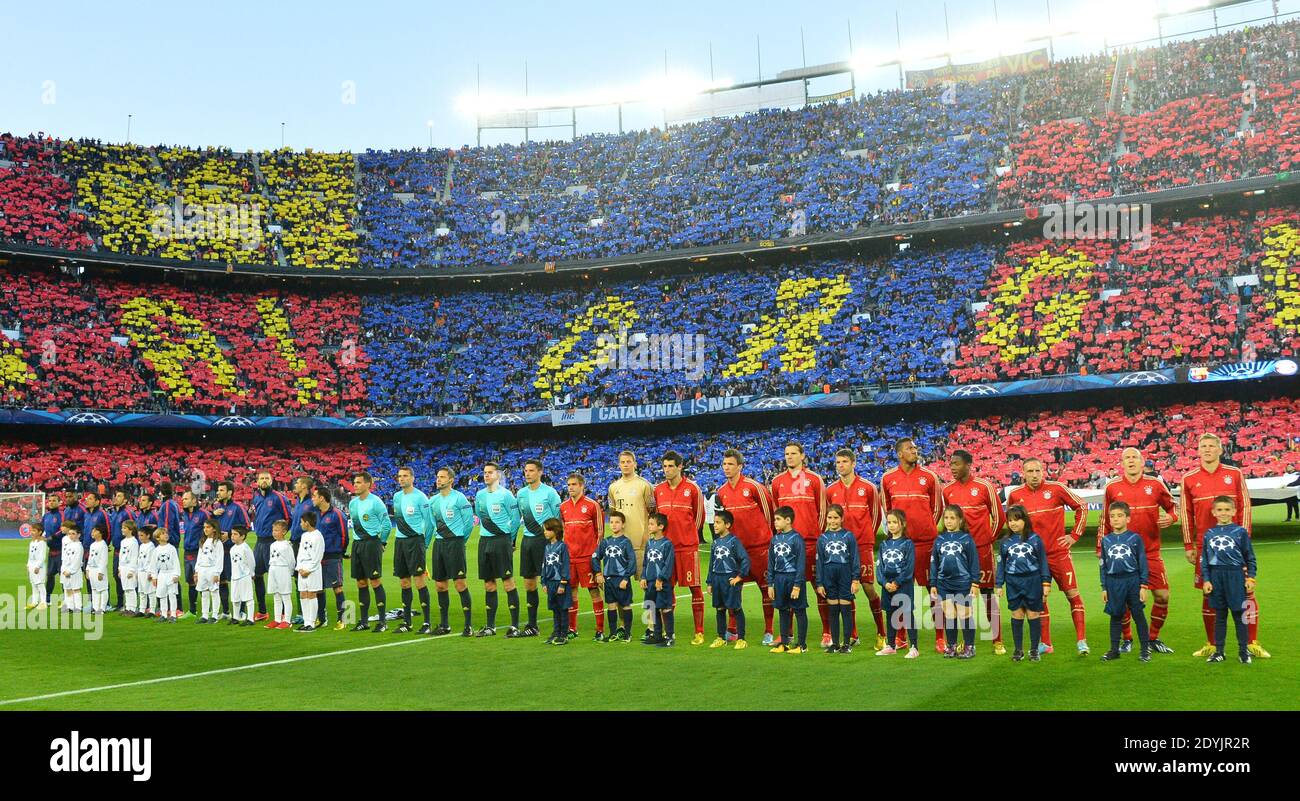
(225, 599)
(406, 605)
(512, 602)
(444, 604)
(1018, 632)
(363, 601)
(721, 616)
(259, 590)
(381, 602)
(194, 600)
(787, 618)
(801, 621)
(1035, 633)
(490, 600)
(740, 624)
(834, 621)
(425, 603)
(612, 614)
(533, 601)
(339, 600)
(465, 605)
(626, 615)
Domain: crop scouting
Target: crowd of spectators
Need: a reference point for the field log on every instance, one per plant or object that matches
(35, 202)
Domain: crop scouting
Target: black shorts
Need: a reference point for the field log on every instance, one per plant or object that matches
(495, 558)
(449, 559)
(261, 556)
(530, 556)
(408, 557)
(367, 559)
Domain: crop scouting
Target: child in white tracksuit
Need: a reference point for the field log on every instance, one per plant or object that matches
(146, 599)
(165, 574)
(128, 551)
(38, 552)
(241, 578)
(280, 573)
(311, 548)
(207, 571)
(71, 575)
(98, 571)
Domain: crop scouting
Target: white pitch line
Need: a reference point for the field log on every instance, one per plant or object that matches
(219, 671)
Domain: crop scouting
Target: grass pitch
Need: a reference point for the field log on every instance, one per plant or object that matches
(138, 664)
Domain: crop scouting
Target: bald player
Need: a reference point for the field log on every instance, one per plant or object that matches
(1198, 490)
(1151, 508)
(1046, 502)
(981, 505)
(635, 498)
(915, 490)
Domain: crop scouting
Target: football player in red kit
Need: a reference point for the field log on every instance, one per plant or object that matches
(861, 502)
(804, 491)
(1151, 509)
(682, 502)
(751, 506)
(1199, 488)
(1046, 502)
(914, 490)
(584, 525)
(981, 505)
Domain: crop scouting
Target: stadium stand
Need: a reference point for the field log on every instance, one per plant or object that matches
(34, 199)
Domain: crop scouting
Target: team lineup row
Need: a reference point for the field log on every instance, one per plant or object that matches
(675, 510)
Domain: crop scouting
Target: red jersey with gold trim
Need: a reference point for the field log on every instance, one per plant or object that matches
(684, 508)
(751, 505)
(1198, 489)
(805, 493)
(584, 524)
(981, 506)
(1145, 498)
(1046, 506)
(918, 495)
(861, 502)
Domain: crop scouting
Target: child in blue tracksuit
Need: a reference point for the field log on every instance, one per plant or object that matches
(895, 570)
(657, 580)
(836, 572)
(1228, 573)
(728, 566)
(613, 565)
(954, 580)
(1124, 577)
(785, 581)
(555, 577)
(1024, 580)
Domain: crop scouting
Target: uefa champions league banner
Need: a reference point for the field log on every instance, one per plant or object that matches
(1032, 386)
(694, 407)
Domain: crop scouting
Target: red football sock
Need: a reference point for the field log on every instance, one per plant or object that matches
(1207, 617)
(697, 608)
(823, 611)
(598, 609)
(994, 613)
(1252, 617)
(573, 615)
(877, 614)
(1080, 619)
(767, 609)
(1126, 626)
(1046, 617)
(1159, 611)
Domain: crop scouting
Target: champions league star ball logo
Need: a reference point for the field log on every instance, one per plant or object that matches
(722, 552)
(614, 552)
(1222, 543)
(655, 556)
(837, 548)
(234, 421)
(783, 549)
(974, 391)
(552, 559)
(504, 418)
(1120, 551)
(1139, 379)
(88, 418)
(892, 557)
(775, 403)
(369, 422)
(1020, 550)
(950, 549)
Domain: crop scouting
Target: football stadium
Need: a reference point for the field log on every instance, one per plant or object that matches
(937, 367)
